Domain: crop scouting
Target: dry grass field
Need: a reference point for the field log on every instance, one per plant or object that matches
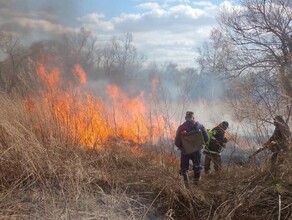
(47, 174)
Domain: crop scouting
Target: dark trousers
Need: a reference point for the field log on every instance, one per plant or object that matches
(217, 161)
(196, 160)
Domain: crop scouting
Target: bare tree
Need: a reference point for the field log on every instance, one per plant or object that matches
(9, 47)
(252, 48)
(16, 75)
(79, 48)
(119, 58)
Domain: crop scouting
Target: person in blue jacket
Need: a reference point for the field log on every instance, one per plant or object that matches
(190, 125)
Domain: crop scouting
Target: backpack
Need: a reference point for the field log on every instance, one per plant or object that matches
(192, 141)
(211, 134)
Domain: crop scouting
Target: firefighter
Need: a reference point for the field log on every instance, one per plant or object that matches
(216, 144)
(279, 142)
(187, 127)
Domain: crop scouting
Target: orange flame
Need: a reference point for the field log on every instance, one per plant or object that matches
(78, 70)
(51, 78)
(130, 116)
(89, 120)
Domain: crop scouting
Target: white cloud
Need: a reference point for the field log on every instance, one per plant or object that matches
(94, 17)
(148, 5)
(177, 1)
(93, 22)
(163, 29)
(226, 5)
(162, 33)
(173, 19)
(203, 3)
(186, 11)
(164, 46)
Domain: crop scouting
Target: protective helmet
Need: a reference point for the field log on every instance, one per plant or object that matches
(224, 124)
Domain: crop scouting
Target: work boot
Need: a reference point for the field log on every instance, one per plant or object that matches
(197, 178)
(186, 179)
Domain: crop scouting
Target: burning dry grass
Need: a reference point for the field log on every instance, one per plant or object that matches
(44, 175)
(48, 176)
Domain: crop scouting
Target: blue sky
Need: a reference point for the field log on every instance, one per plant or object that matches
(163, 30)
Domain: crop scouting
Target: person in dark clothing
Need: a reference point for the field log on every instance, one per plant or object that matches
(188, 126)
(279, 142)
(213, 150)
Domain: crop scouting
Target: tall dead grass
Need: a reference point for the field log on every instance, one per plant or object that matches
(44, 175)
